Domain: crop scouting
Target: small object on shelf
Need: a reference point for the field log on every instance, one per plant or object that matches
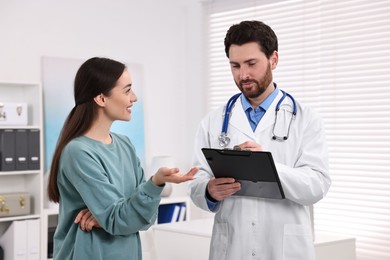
(15, 204)
(13, 113)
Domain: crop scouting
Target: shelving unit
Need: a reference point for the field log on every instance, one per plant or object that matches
(29, 181)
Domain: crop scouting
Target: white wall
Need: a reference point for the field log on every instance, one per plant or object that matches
(164, 36)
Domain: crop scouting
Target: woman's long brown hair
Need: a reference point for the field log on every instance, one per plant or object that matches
(95, 76)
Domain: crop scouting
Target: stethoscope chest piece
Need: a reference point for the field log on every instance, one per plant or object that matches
(223, 140)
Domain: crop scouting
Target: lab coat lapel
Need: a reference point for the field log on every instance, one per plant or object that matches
(239, 120)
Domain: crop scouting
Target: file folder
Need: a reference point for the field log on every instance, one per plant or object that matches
(255, 171)
(34, 159)
(175, 215)
(21, 241)
(21, 152)
(168, 213)
(183, 211)
(14, 241)
(33, 239)
(7, 150)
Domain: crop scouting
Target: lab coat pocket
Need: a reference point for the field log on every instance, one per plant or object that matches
(219, 240)
(297, 243)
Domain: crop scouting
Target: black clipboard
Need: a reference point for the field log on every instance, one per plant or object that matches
(255, 171)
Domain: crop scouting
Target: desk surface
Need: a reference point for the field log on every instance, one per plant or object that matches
(204, 227)
(198, 227)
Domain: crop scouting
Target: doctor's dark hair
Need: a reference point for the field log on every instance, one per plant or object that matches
(95, 76)
(252, 31)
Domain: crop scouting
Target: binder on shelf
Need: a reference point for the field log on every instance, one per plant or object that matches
(21, 241)
(175, 214)
(7, 150)
(33, 150)
(33, 239)
(165, 213)
(168, 213)
(183, 211)
(50, 243)
(14, 241)
(21, 152)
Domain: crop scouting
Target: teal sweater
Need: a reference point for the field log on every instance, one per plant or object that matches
(109, 181)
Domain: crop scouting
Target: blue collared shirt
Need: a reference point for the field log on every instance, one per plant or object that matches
(254, 116)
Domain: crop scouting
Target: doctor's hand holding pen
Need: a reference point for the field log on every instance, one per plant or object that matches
(219, 189)
(248, 145)
(88, 222)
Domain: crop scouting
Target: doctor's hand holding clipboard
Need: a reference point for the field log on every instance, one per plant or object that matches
(219, 189)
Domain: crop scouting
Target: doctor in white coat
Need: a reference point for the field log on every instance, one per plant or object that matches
(250, 227)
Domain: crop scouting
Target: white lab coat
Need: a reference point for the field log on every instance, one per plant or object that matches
(267, 229)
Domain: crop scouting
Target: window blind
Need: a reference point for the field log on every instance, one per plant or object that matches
(334, 55)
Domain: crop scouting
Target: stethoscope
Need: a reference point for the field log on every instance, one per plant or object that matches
(224, 139)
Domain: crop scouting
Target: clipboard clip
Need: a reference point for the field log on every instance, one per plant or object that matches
(236, 150)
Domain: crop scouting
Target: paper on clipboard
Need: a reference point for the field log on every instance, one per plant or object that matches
(255, 171)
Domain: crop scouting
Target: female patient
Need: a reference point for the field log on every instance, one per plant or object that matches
(96, 175)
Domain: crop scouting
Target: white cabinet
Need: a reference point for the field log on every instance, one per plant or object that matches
(335, 247)
(191, 241)
(27, 180)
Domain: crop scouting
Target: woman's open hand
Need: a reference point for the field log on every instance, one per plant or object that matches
(173, 175)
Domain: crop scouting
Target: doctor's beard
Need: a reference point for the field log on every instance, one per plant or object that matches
(261, 85)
